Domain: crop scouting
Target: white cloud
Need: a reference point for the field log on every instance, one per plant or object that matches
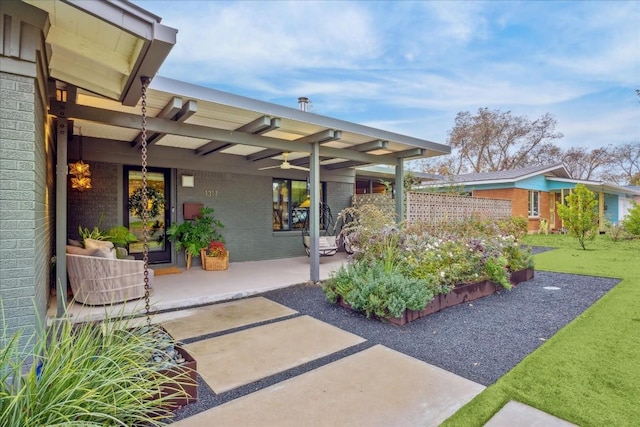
(410, 67)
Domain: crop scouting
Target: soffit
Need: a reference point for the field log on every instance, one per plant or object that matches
(104, 47)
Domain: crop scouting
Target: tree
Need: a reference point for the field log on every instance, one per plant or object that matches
(631, 221)
(493, 140)
(580, 215)
(625, 164)
(585, 164)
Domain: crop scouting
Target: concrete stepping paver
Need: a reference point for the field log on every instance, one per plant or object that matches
(518, 414)
(375, 387)
(220, 317)
(240, 358)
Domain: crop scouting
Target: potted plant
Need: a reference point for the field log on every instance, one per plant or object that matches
(194, 235)
(215, 257)
(118, 235)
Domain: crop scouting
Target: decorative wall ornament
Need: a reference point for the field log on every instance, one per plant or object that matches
(80, 171)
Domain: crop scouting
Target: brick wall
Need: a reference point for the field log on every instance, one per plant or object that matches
(519, 203)
(339, 196)
(85, 208)
(242, 202)
(26, 213)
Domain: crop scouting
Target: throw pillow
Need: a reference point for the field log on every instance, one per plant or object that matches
(76, 243)
(107, 247)
(74, 250)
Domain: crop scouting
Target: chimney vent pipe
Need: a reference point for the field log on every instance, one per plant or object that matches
(303, 103)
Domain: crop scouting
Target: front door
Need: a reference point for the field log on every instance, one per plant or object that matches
(158, 197)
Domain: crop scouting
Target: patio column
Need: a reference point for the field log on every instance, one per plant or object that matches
(400, 190)
(601, 211)
(314, 213)
(62, 131)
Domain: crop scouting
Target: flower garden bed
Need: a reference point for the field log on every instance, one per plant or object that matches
(401, 272)
(460, 294)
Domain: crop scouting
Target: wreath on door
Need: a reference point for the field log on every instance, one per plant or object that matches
(155, 202)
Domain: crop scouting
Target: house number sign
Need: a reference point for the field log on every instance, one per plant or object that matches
(211, 193)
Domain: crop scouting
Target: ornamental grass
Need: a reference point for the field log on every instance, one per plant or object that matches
(91, 374)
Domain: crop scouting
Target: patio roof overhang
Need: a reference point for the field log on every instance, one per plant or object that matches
(99, 52)
(104, 47)
(211, 122)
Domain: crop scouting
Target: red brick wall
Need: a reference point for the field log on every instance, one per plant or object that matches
(519, 203)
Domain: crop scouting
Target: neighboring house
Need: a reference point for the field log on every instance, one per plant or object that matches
(535, 191)
(378, 179)
(71, 79)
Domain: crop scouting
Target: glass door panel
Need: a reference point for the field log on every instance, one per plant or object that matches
(157, 211)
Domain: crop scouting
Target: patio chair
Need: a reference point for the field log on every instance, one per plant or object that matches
(99, 281)
(328, 242)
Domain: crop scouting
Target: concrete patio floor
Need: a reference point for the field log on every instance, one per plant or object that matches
(372, 385)
(196, 286)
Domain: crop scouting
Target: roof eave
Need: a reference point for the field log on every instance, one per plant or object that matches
(213, 95)
(158, 39)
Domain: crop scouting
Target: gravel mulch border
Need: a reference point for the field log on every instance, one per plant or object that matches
(480, 341)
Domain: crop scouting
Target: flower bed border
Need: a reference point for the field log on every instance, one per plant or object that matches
(190, 385)
(459, 295)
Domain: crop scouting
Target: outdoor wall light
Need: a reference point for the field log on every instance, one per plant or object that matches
(188, 181)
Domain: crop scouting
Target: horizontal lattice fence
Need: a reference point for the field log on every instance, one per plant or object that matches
(428, 207)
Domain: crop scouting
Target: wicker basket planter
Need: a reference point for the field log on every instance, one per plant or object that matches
(214, 263)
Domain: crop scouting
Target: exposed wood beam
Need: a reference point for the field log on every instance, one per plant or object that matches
(413, 152)
(260, 125)
(187, 110)
(378, 144)
(323, 136)
(264, 154)
(347, 164)
(132, 121)
(364, 147)
(304, 161)
(211, 148)
(168, 112)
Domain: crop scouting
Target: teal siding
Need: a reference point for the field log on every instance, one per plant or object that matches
(535, 183)
(611, 203)
(558, 185)
(489, 186)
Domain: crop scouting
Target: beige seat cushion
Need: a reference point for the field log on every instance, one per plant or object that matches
(75, 250)
(105, 249)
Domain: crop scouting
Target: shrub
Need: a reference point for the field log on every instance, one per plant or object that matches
(580, 216)
(631, 221)
(372, 289)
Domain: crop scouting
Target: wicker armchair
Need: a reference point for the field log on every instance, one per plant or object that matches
(98, 281)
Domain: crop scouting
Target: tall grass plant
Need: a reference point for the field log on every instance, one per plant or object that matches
(91, 374)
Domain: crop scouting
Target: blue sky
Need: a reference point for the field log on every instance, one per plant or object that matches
(410, 67)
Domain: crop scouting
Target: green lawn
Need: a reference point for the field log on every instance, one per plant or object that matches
(589, 372)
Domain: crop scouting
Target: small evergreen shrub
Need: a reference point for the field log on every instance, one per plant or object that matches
(372, 289)
(631, 222)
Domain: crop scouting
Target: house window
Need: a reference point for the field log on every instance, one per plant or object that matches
(287, 196)
(534, 203)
